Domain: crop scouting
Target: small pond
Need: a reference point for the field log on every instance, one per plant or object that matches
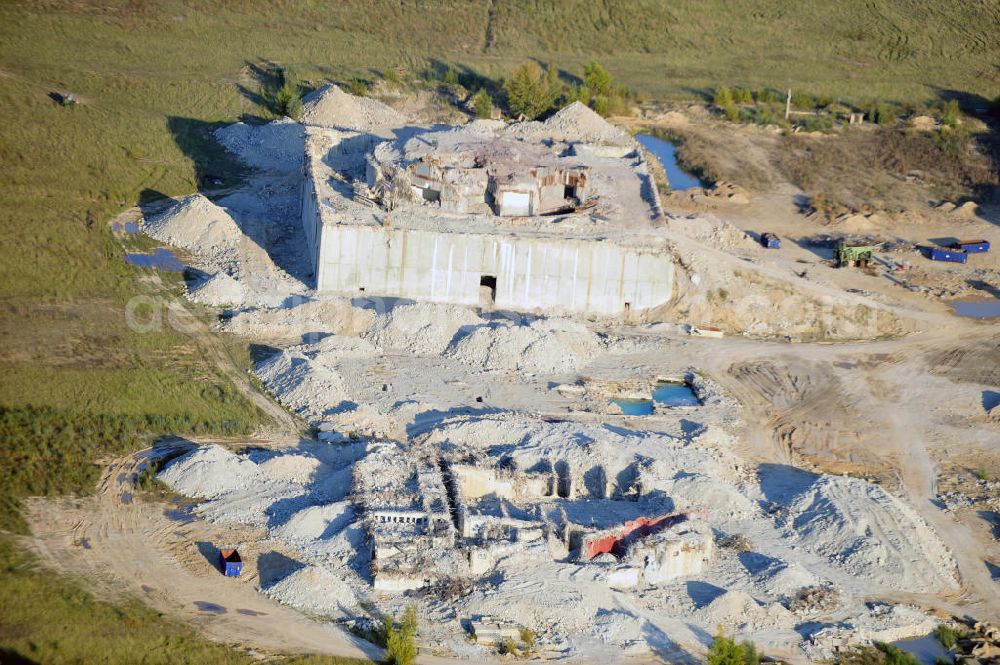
(666, 152)
(635, 407)
(675, 394)
(977, 308)
(161, 259)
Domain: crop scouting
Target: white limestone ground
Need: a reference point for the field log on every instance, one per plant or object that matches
(371, 368)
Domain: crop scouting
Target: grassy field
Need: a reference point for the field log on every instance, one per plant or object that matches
(154, 78)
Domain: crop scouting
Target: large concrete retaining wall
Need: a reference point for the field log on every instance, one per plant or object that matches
(572, 275)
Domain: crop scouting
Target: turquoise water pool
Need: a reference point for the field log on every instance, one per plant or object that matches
(667, 154)
(675, 394)
(635, 407)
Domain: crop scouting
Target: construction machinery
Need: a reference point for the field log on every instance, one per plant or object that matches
(856, 255)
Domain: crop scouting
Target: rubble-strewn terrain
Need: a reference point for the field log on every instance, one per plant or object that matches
(516, 468)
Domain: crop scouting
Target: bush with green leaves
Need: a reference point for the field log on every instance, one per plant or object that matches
(803, 101)
(949, 114)
(597, 79)
(726, 651)
(946, 635)
(529, 91)
(482, 105)
(401, 640)
(881, 114)
(742, 96)
(723, 97)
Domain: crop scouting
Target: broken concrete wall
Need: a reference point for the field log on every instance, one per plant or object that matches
(556, 274)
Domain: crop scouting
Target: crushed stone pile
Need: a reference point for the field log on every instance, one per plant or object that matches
(315, 522)
(332, 107)
(219, 289)
(315, 590)
(546, 346)
(574, 123)
(333, 315)
(196, 224)
(712, 231)
(291, 468)
(276, 146)
(866, 531)
(420, 329)
(739, 612)
(304, 386)
(209, 472)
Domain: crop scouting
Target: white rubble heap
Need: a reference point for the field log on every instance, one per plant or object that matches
(441, 478)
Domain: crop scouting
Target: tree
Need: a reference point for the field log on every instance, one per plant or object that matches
(401, 642)
(723, 97)
(528, 91)
(482, 104)
(597, 79)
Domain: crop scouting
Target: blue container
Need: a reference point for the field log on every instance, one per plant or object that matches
(953, 255)
(232, 564)
(972, 246)
(770, 241)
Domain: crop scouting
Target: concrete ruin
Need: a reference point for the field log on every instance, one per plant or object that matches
(485, 214)
(431, 516)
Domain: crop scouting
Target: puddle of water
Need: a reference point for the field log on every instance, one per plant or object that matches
(206, 606)
(926, 649)
(977, 308)
(635, 407)
(675, 394)
(251, 613)
(161, 259)
(667, 154)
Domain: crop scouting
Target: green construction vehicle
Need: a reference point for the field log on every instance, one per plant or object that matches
(856, 255)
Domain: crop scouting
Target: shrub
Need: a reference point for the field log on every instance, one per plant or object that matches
(742, 96)
(723, 97)
(802, 100)
(949, 114)
(881, 114)
(946, 635)
(597, 79)
(725, 651)
(768, 96)
(506, 647)
(482, 104)
(528, 639)
(401, 642)
(732, 113)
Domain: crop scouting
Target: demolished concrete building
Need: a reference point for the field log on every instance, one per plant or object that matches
(486, 214)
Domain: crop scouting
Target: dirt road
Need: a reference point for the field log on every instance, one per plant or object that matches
(119, 545)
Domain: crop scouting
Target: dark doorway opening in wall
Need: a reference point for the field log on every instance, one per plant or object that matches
(569, 192)
(487, 290)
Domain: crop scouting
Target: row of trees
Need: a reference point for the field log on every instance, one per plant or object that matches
(532, 91)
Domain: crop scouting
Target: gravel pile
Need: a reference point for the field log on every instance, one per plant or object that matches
(315, 590)
(739, 612)
(575, 123)
(219, 289)
(547, 346)
(209, 472)
(276, 146)
(420, 329)
(196, 224)
(332, 107)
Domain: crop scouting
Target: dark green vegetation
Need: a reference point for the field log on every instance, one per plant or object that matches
(401, 638)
